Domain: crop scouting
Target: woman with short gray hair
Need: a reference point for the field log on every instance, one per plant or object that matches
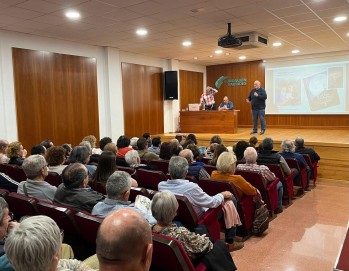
(198, 247)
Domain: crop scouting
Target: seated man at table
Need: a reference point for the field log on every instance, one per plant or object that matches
(226, 105)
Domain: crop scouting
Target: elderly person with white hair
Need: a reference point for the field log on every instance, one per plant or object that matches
(35, 167)
(134, 161)
(118, 191)
(251, 165)
(288, 151)
(198, 247)
(35, 244)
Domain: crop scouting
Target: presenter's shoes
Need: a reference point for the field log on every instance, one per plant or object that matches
(253, 133)
(262, 132)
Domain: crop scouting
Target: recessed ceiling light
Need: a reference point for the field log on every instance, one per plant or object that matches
(242, 57)
(348, 34)
(197, 10)
(141, 32)
(195, 57)
(264, 61)
(72, 14)
(276, 44)
(227, 54)
(295, 51)
(218, 52)
(340, 19)
(186, 43)
(210, 56)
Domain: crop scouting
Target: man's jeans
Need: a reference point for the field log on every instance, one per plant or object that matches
(261, 114)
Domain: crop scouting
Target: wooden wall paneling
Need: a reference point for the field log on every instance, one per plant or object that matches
(191, 87)
(56, 97)
(142, 99)
(255, 70)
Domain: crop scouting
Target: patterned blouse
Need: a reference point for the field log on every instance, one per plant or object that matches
(194, 244)
(267, 175)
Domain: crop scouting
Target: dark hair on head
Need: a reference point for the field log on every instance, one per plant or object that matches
(219, 149)
(123, 142)
(216, 139)
(73, 175)
(195, 150)
(179, 138)
(46, 143)
(240, 147)
(166, 150)
(267, 144)
(253, 140)
(188, 142)
(142, 143)
(67, 148)
(38, 149)
(192, 137)
(156, 141)
(146, 135)
(104, 141)
(80, 154)
(55, 156)
(299, 142)
(106, 167)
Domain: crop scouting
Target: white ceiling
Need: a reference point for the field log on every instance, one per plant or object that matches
(306, 25)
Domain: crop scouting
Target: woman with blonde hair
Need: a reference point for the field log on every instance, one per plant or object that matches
(226, 166)
(16, 153)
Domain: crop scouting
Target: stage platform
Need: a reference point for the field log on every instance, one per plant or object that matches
(331, 144)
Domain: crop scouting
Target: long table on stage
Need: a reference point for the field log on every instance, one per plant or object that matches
(209, 121)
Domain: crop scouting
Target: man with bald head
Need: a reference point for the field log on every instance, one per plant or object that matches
(226, 105)
(3, 147)
(124, 242)
(195, 169)
(257, 98)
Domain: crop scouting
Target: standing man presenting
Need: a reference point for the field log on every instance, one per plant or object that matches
(207, 99)
(226, 105)
(257, 98)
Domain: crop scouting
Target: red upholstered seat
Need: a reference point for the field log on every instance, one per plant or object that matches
(150, 178)
(162, 165)
(269, 192)
(293, 163)
(22, 205)
(245, 206)
(210, 168)
(287, 181)
(53, 178)
(88, 226)
(14, 172)
(135, 191)
(4, 193)
(312, 165)
(206, 160)
(186, 214)
(169, 255)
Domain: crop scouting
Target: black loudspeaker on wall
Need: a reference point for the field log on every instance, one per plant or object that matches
(171, 85)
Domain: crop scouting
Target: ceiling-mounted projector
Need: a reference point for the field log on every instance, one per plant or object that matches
(229, 41)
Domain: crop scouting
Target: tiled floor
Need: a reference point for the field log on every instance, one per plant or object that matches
(306, 236)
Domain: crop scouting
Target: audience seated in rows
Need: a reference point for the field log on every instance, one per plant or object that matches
(226, 166)
(6, 223)
(74, 191)
(16, 153)
(210, 150)
(178, 169)
(142, 149)
(195, 169)
(92, 140)
(35, 244)
(198, 247)
(118, 191)
(124, 242)
(123, 146)
(167, 150)
(288, 151)
(197, 155)
(47, 143)
(68, 150)
(81, 154)
(35, 167)
(3, 148)
(38, 149)
(250, 156)
(133, 143)
(219, 149)
(55, 158)
(155, 145)
(104, 141)
(300, 148)
(148, 138)
(253, 142)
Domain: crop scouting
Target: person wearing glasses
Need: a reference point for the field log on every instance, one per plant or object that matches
(6, 223)
(35, 167)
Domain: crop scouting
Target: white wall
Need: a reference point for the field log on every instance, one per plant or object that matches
(109, 80)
